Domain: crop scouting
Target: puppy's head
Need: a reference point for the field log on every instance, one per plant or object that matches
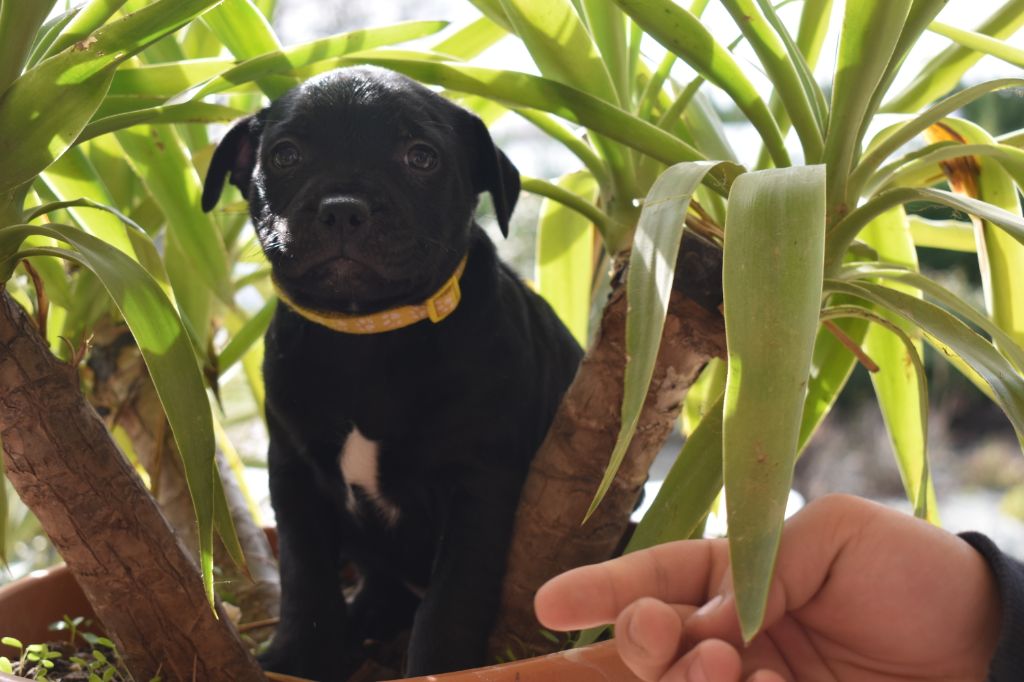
(362, 186)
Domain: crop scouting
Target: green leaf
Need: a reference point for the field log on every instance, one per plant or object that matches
(169, 357)
(52, 102)
(607, 26)
(520, 89)
(776, 51)
(900, 382)
(772, 270)
(847, 229)
(689, 489)
(246, 32)
(652, 264)
(922, 166)
(560, 45)
(942, 73)
(583, 151)
(472, 39)
(159, 157)
(565, 256)
(72, 177)
(49, 32)
(605, 224)
(165, 79)
(870, 33)
(252, 361)
(562, 49)
(917, 125)
(242, 28)
(941, 295)
(324, 52)
(706, 126)
(49, 115)
(954, 339)
(189, 112)
(951, 235)
(19, 21)
(979, 42)
(1014, 138)
(248, 334)
(89, 18)
(682, 33)
(814, 23)
(225, 525)
(806, 48)
(706, 390)
(1001, 256)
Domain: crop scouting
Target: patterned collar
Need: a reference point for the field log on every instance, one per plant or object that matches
(439, 306)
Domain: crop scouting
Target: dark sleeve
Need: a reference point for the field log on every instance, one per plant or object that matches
(1008, 663)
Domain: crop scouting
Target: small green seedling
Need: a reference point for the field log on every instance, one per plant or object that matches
(35, 658)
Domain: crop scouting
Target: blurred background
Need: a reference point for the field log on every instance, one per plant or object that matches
(974, 453)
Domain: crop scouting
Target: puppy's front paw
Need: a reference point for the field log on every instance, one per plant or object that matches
(321, 663)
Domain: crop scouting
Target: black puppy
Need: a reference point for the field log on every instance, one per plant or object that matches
(410, 374)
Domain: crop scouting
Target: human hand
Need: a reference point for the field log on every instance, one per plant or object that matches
(860, 592)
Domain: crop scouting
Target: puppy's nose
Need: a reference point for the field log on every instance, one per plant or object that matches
(343, 211)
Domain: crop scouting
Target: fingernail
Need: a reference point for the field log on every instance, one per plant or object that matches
(634, 636)
(710, 606)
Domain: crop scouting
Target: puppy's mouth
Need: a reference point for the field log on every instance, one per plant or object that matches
(342, 283)
(335, 266)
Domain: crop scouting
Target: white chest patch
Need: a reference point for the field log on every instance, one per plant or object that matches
(358, 462)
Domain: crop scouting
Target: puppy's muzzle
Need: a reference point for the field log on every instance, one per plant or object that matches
(343, 211)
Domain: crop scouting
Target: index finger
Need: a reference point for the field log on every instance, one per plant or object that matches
(683, 572)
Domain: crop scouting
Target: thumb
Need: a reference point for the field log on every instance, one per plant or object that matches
(719, 619)
(811, 542)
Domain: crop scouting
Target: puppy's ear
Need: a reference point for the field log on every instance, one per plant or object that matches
(235, 155)
(493, 173)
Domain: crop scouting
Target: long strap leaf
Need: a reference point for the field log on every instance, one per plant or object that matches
(870, 34)
(844, 232)
(682, 33)
(943, 73)
(772, 274)
(565, 256)
(648, 288)
(780, 58)
(954, 338)
(917, 125)
(168, 354)
(51, 103)
(899, 382)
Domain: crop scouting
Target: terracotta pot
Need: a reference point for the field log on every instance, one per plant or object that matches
(29, 605)
(595, 663)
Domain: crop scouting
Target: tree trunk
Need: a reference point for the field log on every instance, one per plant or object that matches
(565, 472)
(123, 390)
(141, 582)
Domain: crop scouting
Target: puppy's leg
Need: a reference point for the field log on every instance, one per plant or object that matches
(311, 637)
(383, 607)
(455, 619)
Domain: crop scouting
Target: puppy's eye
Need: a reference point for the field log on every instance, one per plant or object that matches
(422, 157)
(285, 155)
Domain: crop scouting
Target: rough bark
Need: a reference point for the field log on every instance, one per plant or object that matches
(571, 461)
(123, 391)
(141, 582)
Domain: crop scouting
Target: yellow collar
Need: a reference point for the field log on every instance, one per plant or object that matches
(436, 308)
